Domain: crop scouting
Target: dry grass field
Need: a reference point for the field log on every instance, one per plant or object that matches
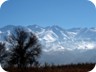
(58, 68)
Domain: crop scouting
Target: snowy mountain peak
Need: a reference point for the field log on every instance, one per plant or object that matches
(56, 38)
(64, 46)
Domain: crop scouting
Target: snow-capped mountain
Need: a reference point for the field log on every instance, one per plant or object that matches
(56, 38)
(62, 45)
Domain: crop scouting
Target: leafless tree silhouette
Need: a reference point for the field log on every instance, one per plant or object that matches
(24, 48)
(2, 50)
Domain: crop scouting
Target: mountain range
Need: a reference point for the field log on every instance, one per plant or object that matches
(62, 46)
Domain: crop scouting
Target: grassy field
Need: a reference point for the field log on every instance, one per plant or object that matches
(58, 68)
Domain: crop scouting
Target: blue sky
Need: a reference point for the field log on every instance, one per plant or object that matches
(64, 13)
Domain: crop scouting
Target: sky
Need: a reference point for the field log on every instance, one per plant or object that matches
(64, 13)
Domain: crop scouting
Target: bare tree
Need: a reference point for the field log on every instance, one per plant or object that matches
(24, 48)
(2, 50)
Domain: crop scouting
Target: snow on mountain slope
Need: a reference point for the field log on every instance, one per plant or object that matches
(62, 45)
(56, 38)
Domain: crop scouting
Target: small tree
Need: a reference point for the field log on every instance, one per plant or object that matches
(2, 50)
(3, 54)
(2, 47)
(24, 48)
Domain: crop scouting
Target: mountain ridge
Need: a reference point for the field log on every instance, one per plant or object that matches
(75, 45)
(59, 36)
